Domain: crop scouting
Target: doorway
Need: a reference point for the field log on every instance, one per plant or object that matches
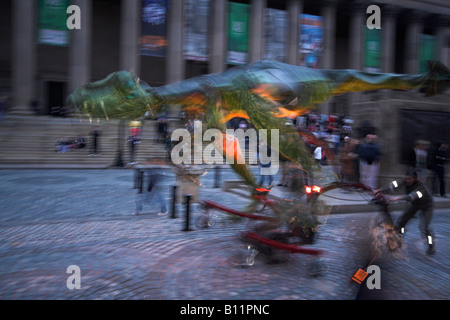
(55, 97)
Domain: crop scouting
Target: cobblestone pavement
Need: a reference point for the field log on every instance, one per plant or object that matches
(52, 219)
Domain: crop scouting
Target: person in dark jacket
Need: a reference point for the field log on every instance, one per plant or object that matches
(440, 158)
(370, 155)
(420, 199)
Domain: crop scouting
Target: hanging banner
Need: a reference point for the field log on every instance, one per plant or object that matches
(275, 34)
(238, 31)
(52, 22)
(153, 41)
(427, 51)
(372, 50)
(310, 40)
(196, 29)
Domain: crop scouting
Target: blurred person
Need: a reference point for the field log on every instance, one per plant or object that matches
(440, 157)
(318, 154)
(349, 160)
(133, 140)
(243, 125)
(168, 145)
(95, 133)
(334, 139)
(369, 154)
(284, 178)
(162, 129)
(35, 106)
(419, 199)
(154, 188)
(418, 159)
(263, 177)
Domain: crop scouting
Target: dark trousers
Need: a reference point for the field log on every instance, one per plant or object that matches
(441, 178)
(410, 212)
(132, 148)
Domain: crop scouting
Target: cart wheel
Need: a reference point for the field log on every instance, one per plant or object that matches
(202, 221)
(212, 220)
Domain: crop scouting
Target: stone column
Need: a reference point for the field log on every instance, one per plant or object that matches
(129, 35)
(356, 37)
(329, 8)
(413, 31)
(175, 65)
(442, 35)
(295, 8)
(80, 48)
(329, 32)
(23, 55)
(388, 37)
(218, 40)
(357, 23)
(256, 30)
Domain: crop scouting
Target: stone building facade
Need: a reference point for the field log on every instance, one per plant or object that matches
(109, 41)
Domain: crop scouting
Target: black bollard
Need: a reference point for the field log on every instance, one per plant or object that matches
(188, 211)
(136, 175)
(174, 202)
(141, 181)
(217, 177)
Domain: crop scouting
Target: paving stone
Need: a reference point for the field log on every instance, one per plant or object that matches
(46, 227)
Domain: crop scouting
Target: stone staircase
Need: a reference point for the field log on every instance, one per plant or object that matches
(31, 140)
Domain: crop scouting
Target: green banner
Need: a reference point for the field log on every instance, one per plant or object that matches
(238, 31)
(427, 51)
(52, 21)
(372, 50)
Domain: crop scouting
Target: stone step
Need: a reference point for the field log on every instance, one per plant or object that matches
(32, 140)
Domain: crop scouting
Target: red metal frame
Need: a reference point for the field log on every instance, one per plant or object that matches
(290, 247)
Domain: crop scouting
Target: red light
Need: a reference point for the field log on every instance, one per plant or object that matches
(310, 190)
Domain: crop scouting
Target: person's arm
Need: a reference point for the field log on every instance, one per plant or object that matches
(388, 188)
(416, 194)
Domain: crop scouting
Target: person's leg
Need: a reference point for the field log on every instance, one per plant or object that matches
(162, 202)
(261, 180)
(363, 173)
(407, 215)
(427, 216)
(441, 179)
(156, 197)
(270, 179)
(140, 200)
(372, 175)
(375, 173)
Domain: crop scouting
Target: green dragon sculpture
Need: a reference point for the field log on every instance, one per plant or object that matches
(263, 92)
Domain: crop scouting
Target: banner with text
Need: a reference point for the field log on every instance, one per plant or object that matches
(275, 34)
(153, 41)
(52, 25)
(427, 51)
(196, 30)
(310, 40)
(238, 31)
(372, 50)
